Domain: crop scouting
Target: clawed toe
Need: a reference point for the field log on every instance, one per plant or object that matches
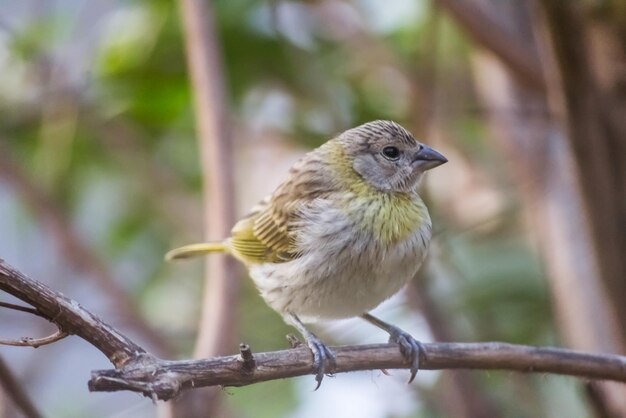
(409, 347)
(323, 359)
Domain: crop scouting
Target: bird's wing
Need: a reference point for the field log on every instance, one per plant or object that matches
(244, 244)
(268, 234)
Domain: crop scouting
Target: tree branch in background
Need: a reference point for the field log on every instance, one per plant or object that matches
(217, 325)
(519, 58)
(76, 252)
(216, 329)
(459, 392)
(20, 308)
(14, 391)
(580, 54)
(139, 371)
(596, 138)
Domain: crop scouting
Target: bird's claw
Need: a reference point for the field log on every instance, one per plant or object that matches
(410, 348)
(322, 357)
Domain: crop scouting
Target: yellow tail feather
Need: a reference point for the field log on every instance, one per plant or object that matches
(195, 250)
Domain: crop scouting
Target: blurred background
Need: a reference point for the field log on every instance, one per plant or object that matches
(109, 130)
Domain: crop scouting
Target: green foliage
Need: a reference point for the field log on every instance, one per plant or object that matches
(114, 147)
(269, 400)
(502, 293)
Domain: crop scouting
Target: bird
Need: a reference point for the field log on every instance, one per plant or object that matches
(345, 231)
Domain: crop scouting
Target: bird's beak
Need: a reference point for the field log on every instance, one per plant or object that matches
(427, 158)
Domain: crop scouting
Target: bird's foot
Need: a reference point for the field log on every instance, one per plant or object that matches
(323, 359)
(410, 348)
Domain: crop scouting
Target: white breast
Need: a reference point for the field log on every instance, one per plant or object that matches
(349, 274)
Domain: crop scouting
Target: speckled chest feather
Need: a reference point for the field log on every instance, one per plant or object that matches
(371, 249)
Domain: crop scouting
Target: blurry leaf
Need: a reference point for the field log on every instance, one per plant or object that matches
(38, 36)
(265, 400)
(503, 295)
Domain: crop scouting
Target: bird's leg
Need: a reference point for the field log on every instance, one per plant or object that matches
(409, 346)
(321, 354)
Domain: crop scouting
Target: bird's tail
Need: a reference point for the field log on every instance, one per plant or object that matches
(195, 250)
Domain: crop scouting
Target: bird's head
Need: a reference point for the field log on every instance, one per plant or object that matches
(387, 156)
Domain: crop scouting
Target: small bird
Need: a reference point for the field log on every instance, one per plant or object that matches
(345, 231)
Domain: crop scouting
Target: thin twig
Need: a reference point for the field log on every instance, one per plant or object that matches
(15, 392)
(36, 342)
(21, 308)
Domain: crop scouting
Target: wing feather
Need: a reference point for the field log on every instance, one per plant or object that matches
(269, 233)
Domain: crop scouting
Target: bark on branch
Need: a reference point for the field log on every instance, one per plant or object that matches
(69, 315)
(164, 379)
(138, 371)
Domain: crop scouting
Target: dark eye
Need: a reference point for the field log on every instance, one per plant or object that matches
(391, 153)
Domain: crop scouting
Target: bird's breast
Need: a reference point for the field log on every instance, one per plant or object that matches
(389, 218)
(353, 256)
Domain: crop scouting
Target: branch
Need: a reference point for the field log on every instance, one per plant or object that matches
(76, 252)
(36, 342)
(69, 316)
(139, 371)
(20, 308)
(459, 395)
(15, 392)
(165, 379)
(217, 326)
(518, 57)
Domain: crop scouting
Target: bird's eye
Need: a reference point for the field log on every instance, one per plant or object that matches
(391, 153)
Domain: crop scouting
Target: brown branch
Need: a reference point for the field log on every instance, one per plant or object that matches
(36, 342)
(488, 33)
(139, 371)
(69, 316)
(217, 325)
(15, 392)
(76, 252)
(20, 308)
(165, 379)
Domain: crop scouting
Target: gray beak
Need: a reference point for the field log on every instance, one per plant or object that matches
(427, 158)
